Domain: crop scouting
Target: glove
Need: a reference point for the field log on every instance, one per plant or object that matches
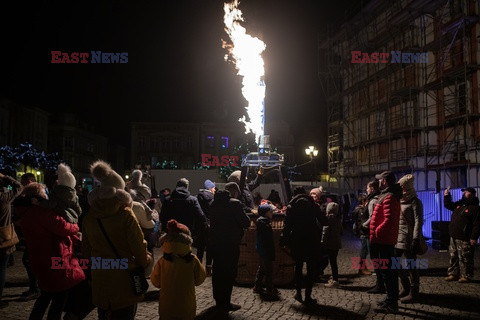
(415, 246)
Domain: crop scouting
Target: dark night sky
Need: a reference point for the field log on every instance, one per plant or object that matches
(175, 68)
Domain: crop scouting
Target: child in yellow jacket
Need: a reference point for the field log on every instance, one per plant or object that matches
(177, 273)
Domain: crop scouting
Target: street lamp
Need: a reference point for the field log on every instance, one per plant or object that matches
(312, 153)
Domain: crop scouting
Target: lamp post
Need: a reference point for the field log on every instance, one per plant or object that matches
(312, 153)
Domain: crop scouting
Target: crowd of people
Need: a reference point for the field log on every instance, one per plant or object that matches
(119, 224)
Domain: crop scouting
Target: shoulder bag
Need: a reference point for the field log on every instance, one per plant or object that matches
(137, 275)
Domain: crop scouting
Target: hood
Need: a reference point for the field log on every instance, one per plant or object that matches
(102, 208)
(300, 198)
(180, 193)
(221, 196)
(395, 189)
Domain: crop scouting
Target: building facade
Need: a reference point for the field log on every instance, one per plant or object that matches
(401, 83)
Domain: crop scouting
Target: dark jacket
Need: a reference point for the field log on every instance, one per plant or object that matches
(264, 242)
(246, 196)
(184, 208)
(227, 220)
(205, 199)
(465, 221)
(386, 216)
(300, 231)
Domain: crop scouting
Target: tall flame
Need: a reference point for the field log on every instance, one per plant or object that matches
(246, 51)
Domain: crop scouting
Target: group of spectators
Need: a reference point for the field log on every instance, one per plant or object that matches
(125, 221)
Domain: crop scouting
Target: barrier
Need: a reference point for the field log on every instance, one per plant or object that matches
(283, 266)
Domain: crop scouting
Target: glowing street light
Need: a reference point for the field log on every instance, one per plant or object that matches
(312, 153)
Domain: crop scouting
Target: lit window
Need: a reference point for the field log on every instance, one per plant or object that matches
(224, 142)
(211, 141)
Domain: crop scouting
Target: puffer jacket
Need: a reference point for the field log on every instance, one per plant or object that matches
(49, 236)
(411, 222)
(332, 232)
(264, 239)
(177, 278)
(6, 199)
(386, 216)
(111, 288)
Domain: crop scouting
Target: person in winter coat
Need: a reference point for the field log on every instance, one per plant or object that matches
(63, 198)
(111, 206)
(246, 197)
(383, 237)
(7, 229)
(144, 215)
(266, 251)
(464, 231)
(177, 273)
(371, 201)
(143, 191)
(302, 237)
(409, 236)
(332, 241)
(50, 240)
(227, 224)
(184, 208)
(360, 215)
(205, 199)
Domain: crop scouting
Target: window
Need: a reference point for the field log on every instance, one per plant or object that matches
(224, 142)
(210, 142)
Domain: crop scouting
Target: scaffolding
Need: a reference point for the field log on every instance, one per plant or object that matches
(419, 116)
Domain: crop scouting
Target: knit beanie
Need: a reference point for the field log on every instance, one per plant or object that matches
(175, 227)
(136, 178)
(209, 184)
(111, 183)
(332, 208)
(65, 176)
(263, 209)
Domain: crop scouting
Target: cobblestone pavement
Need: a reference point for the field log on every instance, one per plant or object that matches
(439, 299)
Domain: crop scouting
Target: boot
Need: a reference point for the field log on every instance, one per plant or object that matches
(405, 287)
(412, 296)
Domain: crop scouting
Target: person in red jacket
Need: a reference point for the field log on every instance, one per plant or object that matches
(384, 227)
(50, 240)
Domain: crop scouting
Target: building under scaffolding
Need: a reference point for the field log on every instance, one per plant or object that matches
(415, 117)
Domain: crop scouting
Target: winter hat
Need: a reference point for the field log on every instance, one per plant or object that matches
(209, 184)
(111, 183)
(235, 177)
(175, 227)
(332, 208)
(136, 178)
(317, 191)
(65, 176)
(263, 209)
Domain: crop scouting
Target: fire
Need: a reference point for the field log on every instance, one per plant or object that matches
(246, 53)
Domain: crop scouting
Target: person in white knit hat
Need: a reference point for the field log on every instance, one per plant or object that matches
(63, 198)
(143, 191)
(111, 208)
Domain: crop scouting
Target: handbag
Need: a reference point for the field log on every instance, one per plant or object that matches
(423, 247)
(8, 236)
(137, 275)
